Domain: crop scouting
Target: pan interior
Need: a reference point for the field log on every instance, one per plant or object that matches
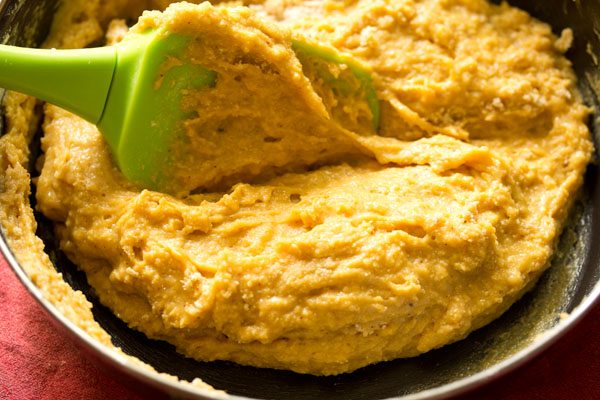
(574, 273)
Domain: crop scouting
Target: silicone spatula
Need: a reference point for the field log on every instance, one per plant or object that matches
(129, 94)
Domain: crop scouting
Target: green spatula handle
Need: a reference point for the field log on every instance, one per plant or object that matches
(76, 80)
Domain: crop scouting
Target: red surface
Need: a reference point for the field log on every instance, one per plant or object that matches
(37, 362)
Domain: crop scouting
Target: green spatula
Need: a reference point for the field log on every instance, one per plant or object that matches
(116, 89)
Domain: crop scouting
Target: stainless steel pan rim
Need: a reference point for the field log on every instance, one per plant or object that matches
(180, 389)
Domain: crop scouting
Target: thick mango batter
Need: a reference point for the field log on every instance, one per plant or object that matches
(310, 241)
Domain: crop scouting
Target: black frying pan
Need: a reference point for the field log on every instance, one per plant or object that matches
(569, 286)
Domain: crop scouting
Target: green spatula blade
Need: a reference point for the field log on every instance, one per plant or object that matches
(143, 118)
(359, 84)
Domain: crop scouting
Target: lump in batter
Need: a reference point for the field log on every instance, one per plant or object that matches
(277, 102)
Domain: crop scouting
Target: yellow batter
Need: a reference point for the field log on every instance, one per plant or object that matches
(311, 242)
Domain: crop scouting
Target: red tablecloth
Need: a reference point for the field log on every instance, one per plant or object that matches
(38, 363)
